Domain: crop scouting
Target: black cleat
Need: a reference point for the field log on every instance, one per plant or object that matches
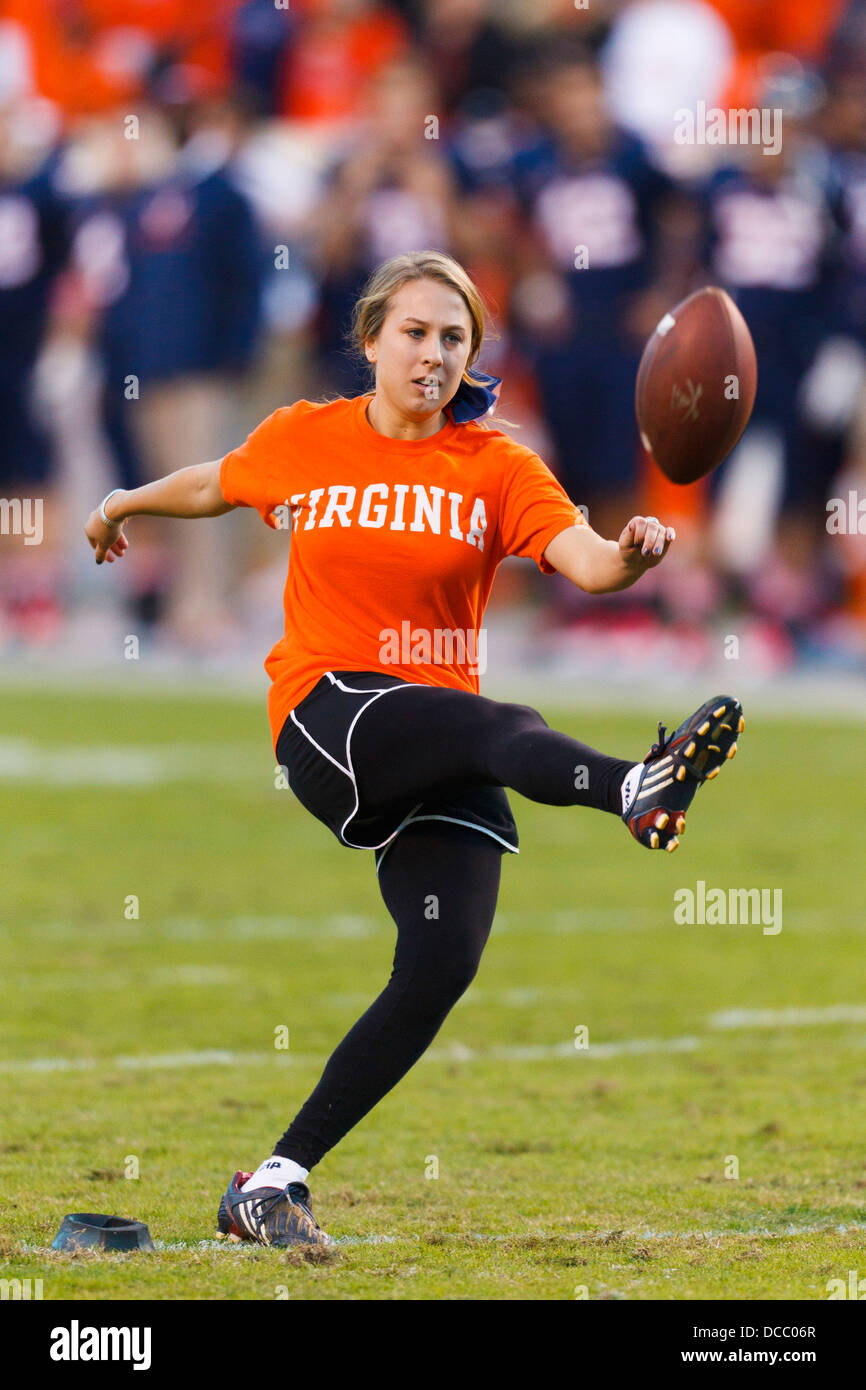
(675, 767)
(270, 1215)
(226, 1228)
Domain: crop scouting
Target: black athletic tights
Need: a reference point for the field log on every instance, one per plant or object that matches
(439, 881)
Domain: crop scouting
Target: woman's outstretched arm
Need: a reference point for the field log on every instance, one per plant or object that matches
(190, 492)
(602, 567)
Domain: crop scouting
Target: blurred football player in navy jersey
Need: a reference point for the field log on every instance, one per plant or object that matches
(33, 250)
(33, 253)
(771, 242)
(392, 191)
(173, 249)
(836, 388)
(467, 48)
(843, 126)
(593, 204)
(261, 34)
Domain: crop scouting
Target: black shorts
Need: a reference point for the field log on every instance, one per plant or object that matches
(315, 748)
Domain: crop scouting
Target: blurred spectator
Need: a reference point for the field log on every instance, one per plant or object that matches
(90, 55)
(846, 46)
(594, 206)
(484, 140)
(393, 191)
(260, 37)
(798, 27)
(340, 46)
(663, 56)
(467, 49)
(172, 254)
(843, 126)
(838, 395)
(33, 252)
(772, 242)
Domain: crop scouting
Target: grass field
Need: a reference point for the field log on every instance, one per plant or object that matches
(149, 1040)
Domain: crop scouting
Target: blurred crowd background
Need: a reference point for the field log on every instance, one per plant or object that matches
(192, 195)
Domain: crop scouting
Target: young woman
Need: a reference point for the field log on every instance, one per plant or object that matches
(402, 502)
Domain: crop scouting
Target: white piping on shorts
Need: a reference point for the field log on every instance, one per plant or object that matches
(374, 689)
(377, 695)
(470, 824)
(319, 749)
(350, 771)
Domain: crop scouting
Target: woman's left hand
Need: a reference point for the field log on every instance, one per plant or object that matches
(645, 541)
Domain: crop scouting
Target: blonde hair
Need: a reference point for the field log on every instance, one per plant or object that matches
(371, 308)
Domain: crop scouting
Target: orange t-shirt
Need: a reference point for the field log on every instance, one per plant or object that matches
(394, 543)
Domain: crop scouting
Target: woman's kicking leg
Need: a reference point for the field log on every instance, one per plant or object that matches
(467, 739)
(461, 739)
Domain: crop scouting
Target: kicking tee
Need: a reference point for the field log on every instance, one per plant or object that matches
(394, 543)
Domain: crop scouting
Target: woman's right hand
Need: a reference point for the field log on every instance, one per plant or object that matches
(107, 541)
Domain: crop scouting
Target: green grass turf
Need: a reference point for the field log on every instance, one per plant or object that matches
(558, 1174)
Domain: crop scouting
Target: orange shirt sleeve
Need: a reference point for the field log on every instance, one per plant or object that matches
(256, 473)
(534, 509)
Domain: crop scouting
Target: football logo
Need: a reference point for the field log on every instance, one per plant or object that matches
(687, 401)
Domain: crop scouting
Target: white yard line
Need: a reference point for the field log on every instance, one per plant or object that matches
(788, 1018)
(744, 1019)
(211, 1057)
(542, 1052)
(205, 976)
(455, 1052)
(339, 926)
(612, 1238)
(280, 927)
(119, 764)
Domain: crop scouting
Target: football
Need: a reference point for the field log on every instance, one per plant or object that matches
(696, 385)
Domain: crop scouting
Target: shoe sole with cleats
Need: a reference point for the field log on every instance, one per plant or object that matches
(675, 767)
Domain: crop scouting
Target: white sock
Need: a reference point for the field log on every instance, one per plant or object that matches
(629, 786)
(276, 1172)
